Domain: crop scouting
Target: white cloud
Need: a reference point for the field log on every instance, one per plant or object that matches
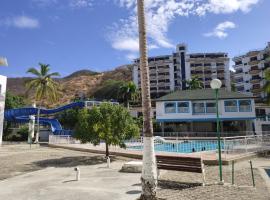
(161, 13)
(220, 30)
(80, 3)
(21, 22)
(131, 56)
(74, 4)
(225, 6)
(44, 3)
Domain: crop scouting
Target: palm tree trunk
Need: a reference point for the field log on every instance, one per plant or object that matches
(149, 171)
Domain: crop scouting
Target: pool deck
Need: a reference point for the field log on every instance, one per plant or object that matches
(209, 157)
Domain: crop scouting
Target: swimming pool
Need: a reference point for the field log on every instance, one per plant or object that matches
(184, 147)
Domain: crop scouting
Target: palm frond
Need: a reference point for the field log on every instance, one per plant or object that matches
(44, 69)
(53, 74)
(34, 71)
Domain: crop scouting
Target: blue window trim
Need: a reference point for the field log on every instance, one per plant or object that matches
(250, 110)
(186, 107)
(165, 103)
(204, 108)
(237, 106)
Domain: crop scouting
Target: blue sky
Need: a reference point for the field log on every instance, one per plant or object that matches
(102, 34)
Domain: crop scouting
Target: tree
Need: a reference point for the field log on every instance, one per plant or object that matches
(68, 118)
(12, 101)
(44, 86)
(110, 123)
(110, 89)
(194, 83)
(266, 86)
(149, 171)
(233, 87)
(129, 92)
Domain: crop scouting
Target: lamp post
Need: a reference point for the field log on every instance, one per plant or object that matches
(216, 85)
(3, 61)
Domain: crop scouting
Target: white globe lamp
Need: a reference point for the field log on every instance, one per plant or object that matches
(216, 84)
(3, 61)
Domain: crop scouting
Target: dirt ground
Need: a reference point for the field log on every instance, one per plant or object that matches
(185, 186)
(20, 159)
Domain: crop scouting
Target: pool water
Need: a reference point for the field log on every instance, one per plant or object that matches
(184, 147)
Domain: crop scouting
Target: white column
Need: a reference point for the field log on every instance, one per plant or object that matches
(31, 130)
(3, 83)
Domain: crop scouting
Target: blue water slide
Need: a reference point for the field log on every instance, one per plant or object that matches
(22, 115)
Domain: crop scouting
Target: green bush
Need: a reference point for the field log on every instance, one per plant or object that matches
(20, 135)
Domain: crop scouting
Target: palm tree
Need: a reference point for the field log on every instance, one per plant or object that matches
(266, 86)
(44, 86)
(149, 171)
(194, 83)
(129, 92)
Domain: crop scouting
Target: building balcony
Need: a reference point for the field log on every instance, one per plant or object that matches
(255, 81)
(239, 72)
(254, 62)
(255, 71)
(256, 90)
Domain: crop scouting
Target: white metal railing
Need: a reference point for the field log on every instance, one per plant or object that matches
(246, 144)
(62, 139)
(264, 118)
(189, 134)
(229, 145)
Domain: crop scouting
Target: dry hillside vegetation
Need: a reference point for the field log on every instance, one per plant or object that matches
(80, 83)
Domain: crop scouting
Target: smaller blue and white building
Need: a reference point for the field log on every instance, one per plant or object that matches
(194, 111)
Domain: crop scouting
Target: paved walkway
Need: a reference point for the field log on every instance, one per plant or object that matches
(51, 176)
(97, 182)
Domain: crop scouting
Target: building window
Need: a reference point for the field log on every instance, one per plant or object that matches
(170, 107)
(210, 107)
(245, 106)
(198, 108)
(183, 107)
(230, 106)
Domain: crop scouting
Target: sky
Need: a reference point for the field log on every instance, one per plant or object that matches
(100, 35)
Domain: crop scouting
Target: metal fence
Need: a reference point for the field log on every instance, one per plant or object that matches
(229, 145)
(246, 144)
(62, 139)
(208, 134)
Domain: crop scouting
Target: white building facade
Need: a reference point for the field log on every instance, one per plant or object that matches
(250, 72)
(170, 72)
(194, 111)
(3, 83)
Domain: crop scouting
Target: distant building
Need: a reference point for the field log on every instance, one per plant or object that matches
(250, 72)
(194, 112)
(170, 72)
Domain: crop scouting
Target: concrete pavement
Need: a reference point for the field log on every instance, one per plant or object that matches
(97, 183)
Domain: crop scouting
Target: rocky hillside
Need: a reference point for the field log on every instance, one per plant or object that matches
(80, 83)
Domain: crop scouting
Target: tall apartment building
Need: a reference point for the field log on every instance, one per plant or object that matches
(250, 72)
(170, 72)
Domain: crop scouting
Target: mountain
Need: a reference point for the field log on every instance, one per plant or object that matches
(79, 83)
(84, 72)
